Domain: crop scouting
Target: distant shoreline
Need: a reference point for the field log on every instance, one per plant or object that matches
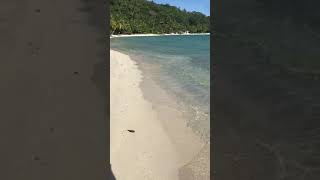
(144, 35)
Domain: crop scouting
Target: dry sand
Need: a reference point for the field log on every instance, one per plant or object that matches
(161, 143)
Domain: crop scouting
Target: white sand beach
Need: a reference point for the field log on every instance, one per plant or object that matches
(146, 35)
(161, 143)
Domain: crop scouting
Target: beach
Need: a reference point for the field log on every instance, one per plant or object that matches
(161, 143)
(148, 35)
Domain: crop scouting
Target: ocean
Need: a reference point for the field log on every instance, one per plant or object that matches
(183, 71)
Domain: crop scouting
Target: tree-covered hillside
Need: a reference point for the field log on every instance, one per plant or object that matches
(142, 16)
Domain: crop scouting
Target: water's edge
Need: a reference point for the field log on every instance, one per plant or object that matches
(198, 167)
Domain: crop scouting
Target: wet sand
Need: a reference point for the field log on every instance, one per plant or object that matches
(161, 143)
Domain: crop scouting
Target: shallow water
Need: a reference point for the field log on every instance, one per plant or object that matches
(183, 70)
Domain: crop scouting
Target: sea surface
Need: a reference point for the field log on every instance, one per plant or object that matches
(183, 71)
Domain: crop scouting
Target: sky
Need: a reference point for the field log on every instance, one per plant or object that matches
(190, 5)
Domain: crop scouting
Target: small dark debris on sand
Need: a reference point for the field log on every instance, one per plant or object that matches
(132, 131)
(36, 158)
(75, 72)
(51, 130)
(37, 10)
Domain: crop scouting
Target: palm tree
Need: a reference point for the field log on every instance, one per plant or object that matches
(113, 24)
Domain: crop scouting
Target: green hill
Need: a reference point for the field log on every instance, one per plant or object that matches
(142, 16)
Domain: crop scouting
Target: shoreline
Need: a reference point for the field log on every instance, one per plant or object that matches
(152, 35)
(197, 168)
(157, 149)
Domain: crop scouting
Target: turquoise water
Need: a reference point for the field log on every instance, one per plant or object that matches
(184, 70)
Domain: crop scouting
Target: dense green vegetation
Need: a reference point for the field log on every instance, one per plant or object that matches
(142, 16)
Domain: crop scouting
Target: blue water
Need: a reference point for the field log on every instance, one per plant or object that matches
(184, 63)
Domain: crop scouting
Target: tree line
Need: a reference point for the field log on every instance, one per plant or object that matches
(142, 16)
